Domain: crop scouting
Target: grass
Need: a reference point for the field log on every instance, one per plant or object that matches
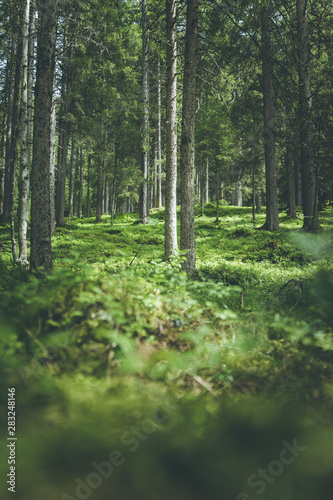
(234, 361)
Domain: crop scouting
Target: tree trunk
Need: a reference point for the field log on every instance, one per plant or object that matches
(9, 132)
(159, 138)
(239, 194)
(170, 228)
(290, 167)
(65, 129)
(143, 198)
(79, 210)
(205, 181)
(71, 209)
(23, 207)
(113, 189)
(75, 180)
(88, 187)
(53, 157)
(62, 156)
(272, 214)
(218, 192)
(253, 195)
(99, 190)
(41, 249)
(13, 145)
(306, 126)
(187, 225)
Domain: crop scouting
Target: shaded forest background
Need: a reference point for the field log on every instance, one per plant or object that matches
(166, 249)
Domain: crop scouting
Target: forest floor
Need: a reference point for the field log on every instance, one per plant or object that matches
(133, 381)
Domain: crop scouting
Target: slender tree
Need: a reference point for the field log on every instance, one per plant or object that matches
(187, 225)
(143, 200)
(23, 207)
(272, 214)
(159, 138)
(309, 191)
(170, 237)
(41, 249)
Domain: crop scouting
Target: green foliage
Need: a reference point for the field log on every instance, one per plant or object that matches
(115, 333)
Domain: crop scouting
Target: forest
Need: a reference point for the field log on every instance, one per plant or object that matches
(166, 249)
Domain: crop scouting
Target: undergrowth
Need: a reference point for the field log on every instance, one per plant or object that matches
(115, 332)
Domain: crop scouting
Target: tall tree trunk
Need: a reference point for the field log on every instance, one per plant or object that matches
(187, 225)
(9, 132)
(113, 188)
(79, 211)
(253, 195)
(65, 130)
(75, 181)
(306, 126)
(13, 143)
(272, 214)
(143, 199)
(218, 193)
(71, 209)
(159, 138)
(31, 60)
(88, 187)
(41, 249)
(239, 194)
(23, 207)
(170, 235)
(290, 167)
(62, 165)
(53, 157)
(3, 156)
(205, 181)
(99, 189)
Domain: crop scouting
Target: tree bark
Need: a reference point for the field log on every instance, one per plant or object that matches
(170, 228)
(143, 198)
(309, 194)
(23, 207)
(75, 180)
(53, 157)
(41, 249)
(187, 225)
(99, 190)
(88, 187)
(272, 214)
(9, 132)
(63, 144)
(71, 208)
(113, 188)
(79, 210)
(239, 194)
(159, 138)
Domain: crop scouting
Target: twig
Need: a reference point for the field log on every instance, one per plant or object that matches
(135, 256)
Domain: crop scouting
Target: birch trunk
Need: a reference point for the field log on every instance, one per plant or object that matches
(170, 231)
(52, 157)
(23, 207)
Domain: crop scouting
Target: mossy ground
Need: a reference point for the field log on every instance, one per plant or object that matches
(233, 361)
